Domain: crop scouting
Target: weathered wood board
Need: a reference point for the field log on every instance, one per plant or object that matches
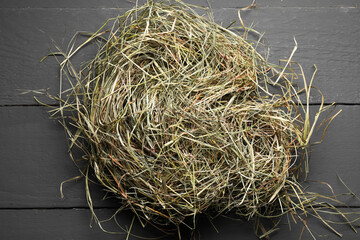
(34, 157)
(326, 37)
(35, 160)
(75, 224)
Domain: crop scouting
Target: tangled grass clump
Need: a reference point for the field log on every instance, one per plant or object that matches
(175, 118)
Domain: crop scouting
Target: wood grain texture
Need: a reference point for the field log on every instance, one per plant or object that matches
(34, 158)
(35, 161)
(74, 224)
(326, 37)
(213, 3)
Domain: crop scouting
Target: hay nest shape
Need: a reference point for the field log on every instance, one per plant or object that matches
(174, 116)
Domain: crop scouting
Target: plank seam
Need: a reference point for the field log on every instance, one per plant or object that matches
(86, 208)
(215, 8)
(57, 105)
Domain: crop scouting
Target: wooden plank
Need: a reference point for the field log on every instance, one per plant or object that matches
(62, 223)
(338, 155)
(35, 161)
(28, 39)
(213, 3)
(74, 224)
(325, 37)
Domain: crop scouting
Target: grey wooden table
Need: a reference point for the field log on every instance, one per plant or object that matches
(34, 158)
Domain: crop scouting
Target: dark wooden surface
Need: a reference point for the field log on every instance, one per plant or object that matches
(326, 36)
(34, 158)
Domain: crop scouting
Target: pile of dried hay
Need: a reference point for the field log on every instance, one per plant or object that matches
(175, 118)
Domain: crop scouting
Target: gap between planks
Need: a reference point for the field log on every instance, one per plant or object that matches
(57, 105)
